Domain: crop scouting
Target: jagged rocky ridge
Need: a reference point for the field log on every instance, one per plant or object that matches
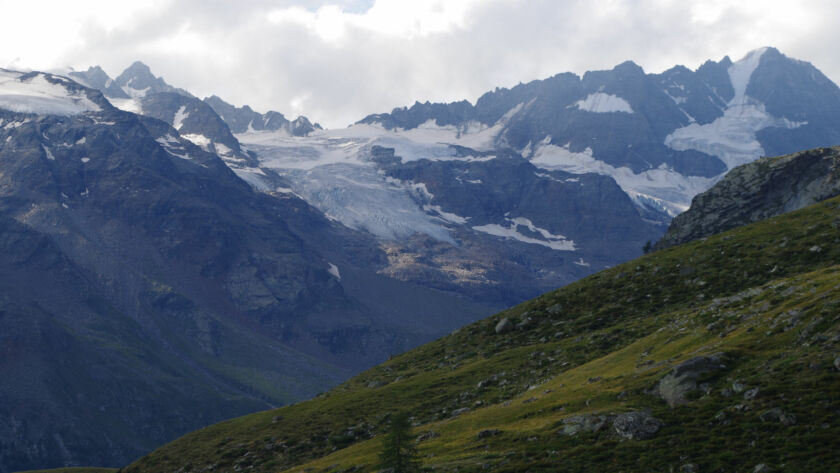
(756, 191)
(244, 119)
(137, 81)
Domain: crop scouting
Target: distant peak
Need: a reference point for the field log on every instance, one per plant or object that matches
(137, 70)
(755, 54)
(138, 66)
(629, 66)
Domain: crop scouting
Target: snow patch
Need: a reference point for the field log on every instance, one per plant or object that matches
(671, 188)
(48, 153)
(180, 116)
(202, 141)
(85, 160)
(600, 102)
(333, 269)
(222, 150)
(448, 216)
(511, 231)
(128, 105)
(135, 93)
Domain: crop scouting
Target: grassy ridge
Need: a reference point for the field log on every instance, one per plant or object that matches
(600, 344)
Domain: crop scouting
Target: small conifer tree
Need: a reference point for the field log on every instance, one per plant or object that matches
(398, 450)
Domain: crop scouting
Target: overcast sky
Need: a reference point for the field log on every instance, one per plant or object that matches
(336, 61)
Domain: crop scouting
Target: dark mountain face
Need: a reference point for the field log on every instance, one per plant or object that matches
(147, 291)
(196, 121)
(588, 209)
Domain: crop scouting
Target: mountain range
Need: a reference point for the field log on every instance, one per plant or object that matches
(170, 261)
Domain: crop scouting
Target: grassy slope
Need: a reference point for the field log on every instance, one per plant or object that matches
(628, 326)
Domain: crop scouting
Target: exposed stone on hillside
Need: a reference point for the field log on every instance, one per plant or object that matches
(504, 326)
(584, 423)
(683, 379)
(756, 191)
(637, 425)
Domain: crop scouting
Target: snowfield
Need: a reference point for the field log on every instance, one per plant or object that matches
(600, 102)
(38, 95)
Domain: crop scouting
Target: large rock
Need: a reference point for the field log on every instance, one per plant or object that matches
(683, 379)
(504, 326)
(636, 425)
(778, 415)
(584, 423)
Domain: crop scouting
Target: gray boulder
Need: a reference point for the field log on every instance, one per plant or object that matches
(488, 433)
(636, 425)
(504, 326)
(584, 423)
(778, 415)
(682, 380)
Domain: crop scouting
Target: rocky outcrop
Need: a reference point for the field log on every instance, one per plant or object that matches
(758, 190)
(585, 423)
(684, 378)
(504, 326)
(636, 425)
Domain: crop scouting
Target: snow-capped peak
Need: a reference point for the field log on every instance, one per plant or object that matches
(40, 93)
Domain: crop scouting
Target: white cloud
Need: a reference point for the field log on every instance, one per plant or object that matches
(339, 60)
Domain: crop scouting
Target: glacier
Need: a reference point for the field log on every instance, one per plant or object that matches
(35, 94)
